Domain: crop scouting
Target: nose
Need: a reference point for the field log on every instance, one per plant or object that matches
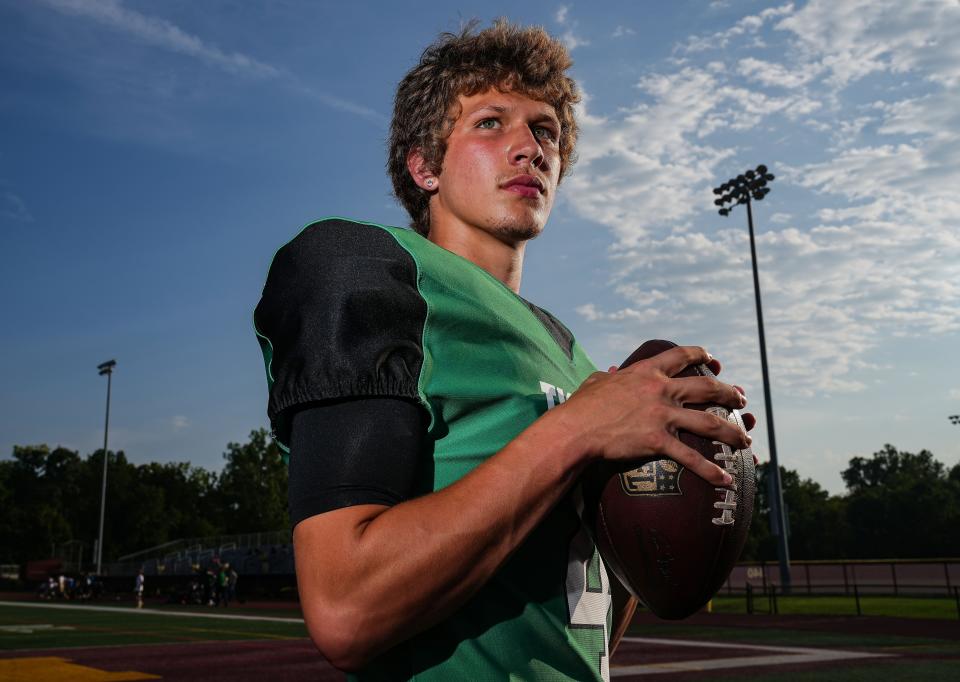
(525, 148)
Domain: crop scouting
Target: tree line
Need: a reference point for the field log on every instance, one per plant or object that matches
(49, 497)
(897, 504)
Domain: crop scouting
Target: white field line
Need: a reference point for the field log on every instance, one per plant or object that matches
(777, 655)
(151, 612)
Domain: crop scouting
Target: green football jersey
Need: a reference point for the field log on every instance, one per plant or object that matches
(484, 364)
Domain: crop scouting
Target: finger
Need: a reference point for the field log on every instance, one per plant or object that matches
(685, 390)
(592, 379)
(749, 421)
(675, 360)
(715, 366)
(695, 462)
(710, 426)
(756, 460)
(613, 369)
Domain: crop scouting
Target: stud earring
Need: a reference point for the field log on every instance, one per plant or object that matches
(429, 183)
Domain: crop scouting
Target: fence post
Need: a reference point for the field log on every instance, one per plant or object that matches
(749, 599)
(773, 597)
(846, 584)
(856, 595)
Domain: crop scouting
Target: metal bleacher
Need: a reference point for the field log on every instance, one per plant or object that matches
(269, 553)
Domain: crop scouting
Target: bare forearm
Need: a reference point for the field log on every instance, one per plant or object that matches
(410, 566)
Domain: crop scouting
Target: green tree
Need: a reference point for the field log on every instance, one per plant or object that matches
(815, 519)
(901, 505)
(37, 488)
(253, 486)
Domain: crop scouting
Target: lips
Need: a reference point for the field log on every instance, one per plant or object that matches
(524, 185)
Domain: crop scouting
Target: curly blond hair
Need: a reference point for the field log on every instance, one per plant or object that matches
(511, 58)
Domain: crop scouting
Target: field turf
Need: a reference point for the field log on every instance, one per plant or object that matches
(97, 644)
(29, 627)
(896, 607)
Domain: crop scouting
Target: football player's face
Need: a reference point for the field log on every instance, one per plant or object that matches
(501, 166)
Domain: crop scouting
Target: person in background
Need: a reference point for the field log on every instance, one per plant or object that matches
(138, 588)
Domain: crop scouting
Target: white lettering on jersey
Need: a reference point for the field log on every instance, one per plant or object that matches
(555, 396)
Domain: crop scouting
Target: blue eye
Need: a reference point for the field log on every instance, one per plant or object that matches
(544, 133)
(488, 123)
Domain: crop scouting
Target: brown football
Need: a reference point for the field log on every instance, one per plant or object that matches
(669, 536)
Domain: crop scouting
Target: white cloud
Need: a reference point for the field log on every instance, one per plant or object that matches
(621, 31)
(876, 256)
(777, 75)
(179, 422)
(163, 34)
(649, 165)
(746, 26)
(569, 37)
(13, 207)
(954, 393)
(859, 37)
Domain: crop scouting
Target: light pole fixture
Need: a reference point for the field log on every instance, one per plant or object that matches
(104, 368)
(954, 418)
(744, 189)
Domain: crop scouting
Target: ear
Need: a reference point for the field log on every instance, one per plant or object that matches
(420, 171)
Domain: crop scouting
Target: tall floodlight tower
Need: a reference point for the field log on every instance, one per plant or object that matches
(104, 368)
(744, 189)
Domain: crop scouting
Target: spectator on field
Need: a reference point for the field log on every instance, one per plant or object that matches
(138, 588)
(223, 598)
(210, 587)
(232, 579)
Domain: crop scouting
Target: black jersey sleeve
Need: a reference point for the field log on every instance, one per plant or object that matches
(340, 317)
(362, 451)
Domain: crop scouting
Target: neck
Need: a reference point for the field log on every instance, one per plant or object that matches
(503, 260)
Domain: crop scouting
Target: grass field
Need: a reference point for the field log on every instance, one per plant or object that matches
(784, 636)
(896, 607)
(888, 671)
(28, 627)
(271, 643)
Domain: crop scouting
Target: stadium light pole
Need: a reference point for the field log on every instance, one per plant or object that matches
(954, 418)
(744, 189)
(104, 368)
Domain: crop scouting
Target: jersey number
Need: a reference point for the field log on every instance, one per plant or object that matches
(588, 597)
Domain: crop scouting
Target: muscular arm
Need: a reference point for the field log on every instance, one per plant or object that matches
(371, 576)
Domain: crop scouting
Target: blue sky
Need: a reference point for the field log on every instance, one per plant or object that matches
(153, 155)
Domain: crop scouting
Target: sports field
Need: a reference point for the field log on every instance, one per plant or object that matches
(43, 641)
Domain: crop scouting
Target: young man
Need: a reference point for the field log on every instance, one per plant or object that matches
(432, 487)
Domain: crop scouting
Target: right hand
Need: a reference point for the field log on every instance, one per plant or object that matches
(637, 411)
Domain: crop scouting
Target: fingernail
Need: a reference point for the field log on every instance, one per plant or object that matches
(749, 440)
(727, 479)
(709, 357)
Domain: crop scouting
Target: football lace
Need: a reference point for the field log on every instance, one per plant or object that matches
(728, 459)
